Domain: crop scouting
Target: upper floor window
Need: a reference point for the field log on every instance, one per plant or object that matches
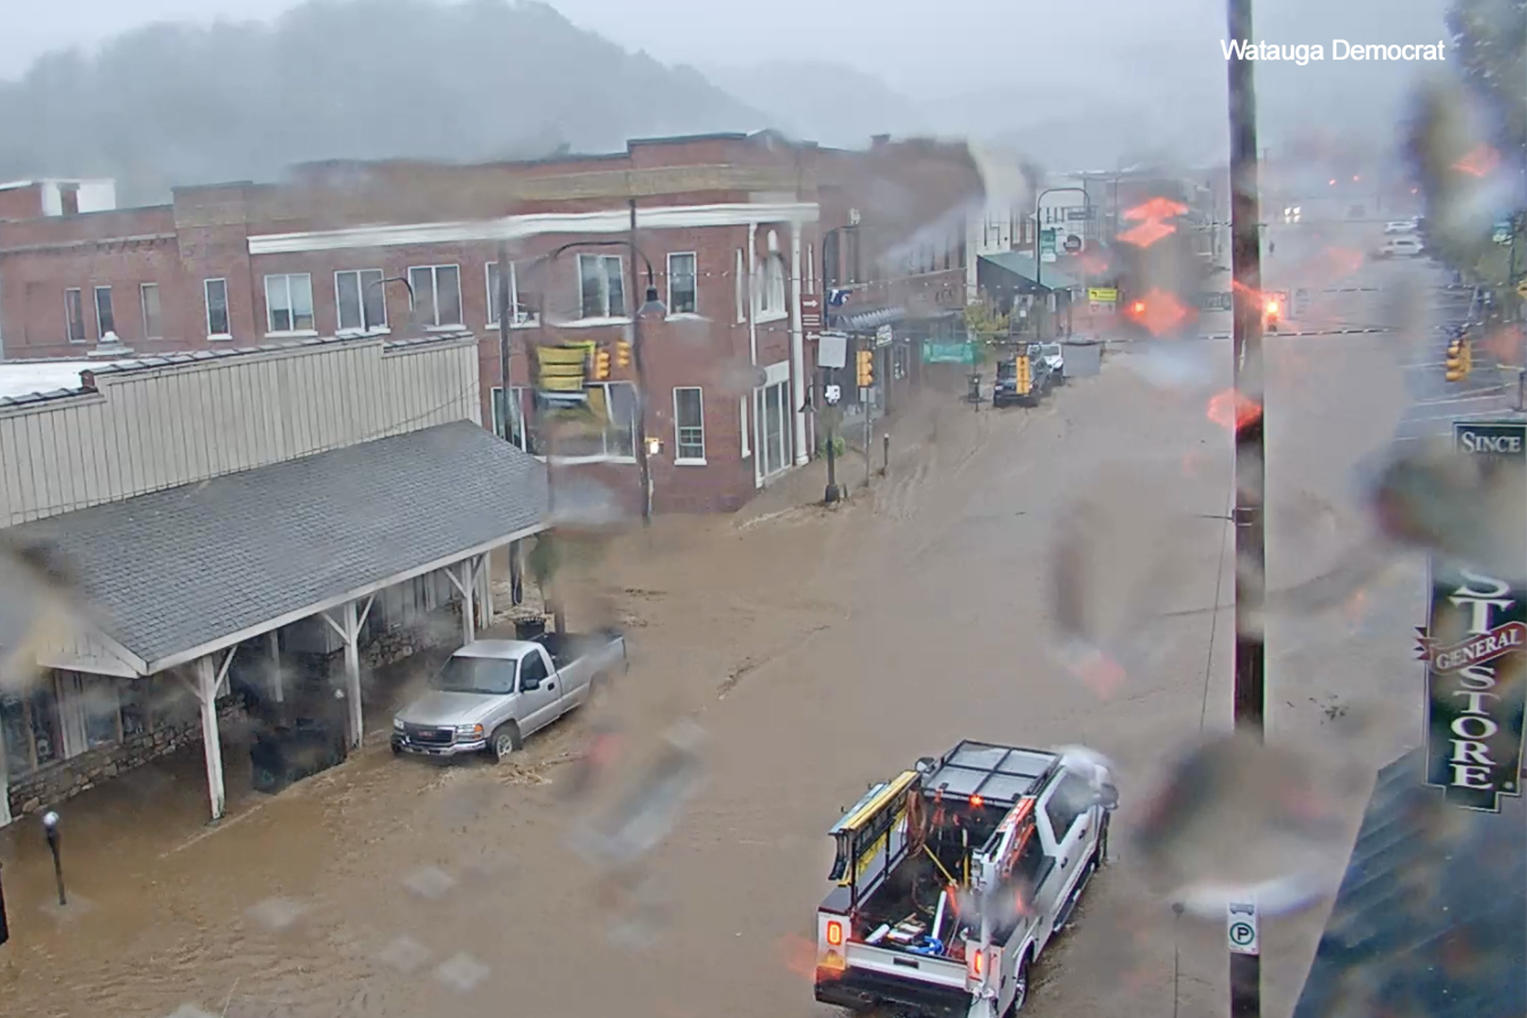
(148, 298)
(289, 303)
(74, 314)
(681, 284)
(601, 286)
(771, 295)
(360, 300)
(105, 321)
(216, 291)
(436, 295)
(522, 315)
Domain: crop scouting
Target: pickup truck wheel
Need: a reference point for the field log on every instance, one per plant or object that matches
(1020, 987)
(505, 740)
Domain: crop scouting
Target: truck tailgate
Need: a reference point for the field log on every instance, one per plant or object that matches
(916, 967)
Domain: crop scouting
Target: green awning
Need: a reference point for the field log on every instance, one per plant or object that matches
(1021, 264)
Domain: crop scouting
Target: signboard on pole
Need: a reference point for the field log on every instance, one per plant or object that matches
(832, 350)
(1047, 244)
(811, 312)
(1103, 294)
(1475, 649)
(883, 336)
(1220, 301)
(948, 353)
(1241, 928)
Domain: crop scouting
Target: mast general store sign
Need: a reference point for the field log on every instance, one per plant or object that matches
(1475, 649)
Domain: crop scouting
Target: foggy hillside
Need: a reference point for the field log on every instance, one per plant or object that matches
(363, 79)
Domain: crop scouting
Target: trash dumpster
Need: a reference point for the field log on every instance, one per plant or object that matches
(285, 754)
(529, 629)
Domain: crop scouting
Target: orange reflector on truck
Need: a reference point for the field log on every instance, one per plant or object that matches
(835, 933)
(976, 801)
(977, 964)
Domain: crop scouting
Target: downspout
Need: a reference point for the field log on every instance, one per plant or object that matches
(753, 350)
(797, 346)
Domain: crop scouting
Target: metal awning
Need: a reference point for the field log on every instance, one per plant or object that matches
(869, 321)
(1429, 918)
(178, 574)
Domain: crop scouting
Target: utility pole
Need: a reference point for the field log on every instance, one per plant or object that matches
(504, 311)
(636, 353)
(830, 415)
(1250, 466)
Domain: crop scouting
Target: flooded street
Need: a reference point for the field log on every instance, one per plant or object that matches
(820, 651)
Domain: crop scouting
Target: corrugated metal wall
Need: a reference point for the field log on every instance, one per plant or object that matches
(154, 428)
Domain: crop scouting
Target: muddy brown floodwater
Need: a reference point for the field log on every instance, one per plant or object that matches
(820, 651)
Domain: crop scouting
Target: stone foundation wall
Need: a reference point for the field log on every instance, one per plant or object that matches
(58, 782)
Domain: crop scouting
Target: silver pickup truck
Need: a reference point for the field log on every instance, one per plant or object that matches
(491, 694)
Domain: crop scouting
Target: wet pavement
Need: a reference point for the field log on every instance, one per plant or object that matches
(820, 651)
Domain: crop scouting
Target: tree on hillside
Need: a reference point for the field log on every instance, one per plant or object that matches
(343, 79)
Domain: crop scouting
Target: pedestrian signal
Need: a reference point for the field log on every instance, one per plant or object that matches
(866, 366)
(601, 364)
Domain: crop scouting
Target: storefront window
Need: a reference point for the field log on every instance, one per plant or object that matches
(135, 708)
(101, 710)
(44, 723)
(18, 738)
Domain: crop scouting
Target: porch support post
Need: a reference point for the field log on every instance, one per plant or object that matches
(465, 585)
(352, 627)
(207, 681)
(277, 681)
(487, 589)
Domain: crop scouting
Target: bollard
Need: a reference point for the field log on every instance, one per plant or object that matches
(5, 926)
(50, 828)
(886, 443)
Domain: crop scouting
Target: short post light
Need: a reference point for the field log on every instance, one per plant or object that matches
(50, 829)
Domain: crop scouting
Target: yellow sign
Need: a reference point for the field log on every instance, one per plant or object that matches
(1103, 294)
(562, 368)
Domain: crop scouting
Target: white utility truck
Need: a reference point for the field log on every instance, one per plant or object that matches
(952, 877)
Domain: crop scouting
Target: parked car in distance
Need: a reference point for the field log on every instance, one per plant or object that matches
(1402, 247)
(1400, 226)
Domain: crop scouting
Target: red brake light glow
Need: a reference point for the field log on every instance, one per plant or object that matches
(977, 964)
(835, 933)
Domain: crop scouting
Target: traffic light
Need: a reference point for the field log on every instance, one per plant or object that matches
(866, 366)
(601, 364)
(1460, 360)
(1272, 311)
(622, 354)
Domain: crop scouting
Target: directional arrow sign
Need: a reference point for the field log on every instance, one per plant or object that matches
(1241, 929)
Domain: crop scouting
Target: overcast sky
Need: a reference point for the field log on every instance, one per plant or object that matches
(928, 43)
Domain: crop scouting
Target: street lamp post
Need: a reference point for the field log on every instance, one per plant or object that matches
(650, 305)
(1038, 259)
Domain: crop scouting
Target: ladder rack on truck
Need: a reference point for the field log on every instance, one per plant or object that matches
(952, 877)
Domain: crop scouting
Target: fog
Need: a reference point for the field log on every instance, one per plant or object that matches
(163, 92)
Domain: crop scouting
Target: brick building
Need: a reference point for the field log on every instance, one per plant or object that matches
(735, 232)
